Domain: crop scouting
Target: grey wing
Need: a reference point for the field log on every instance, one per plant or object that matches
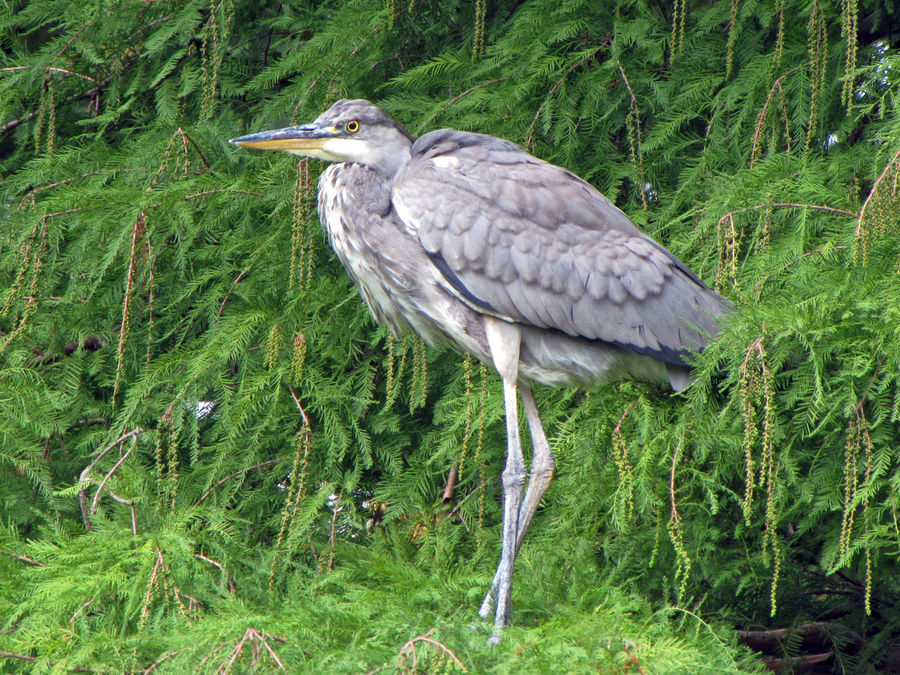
(526, 240)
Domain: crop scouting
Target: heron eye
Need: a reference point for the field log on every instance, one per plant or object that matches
(352, 126)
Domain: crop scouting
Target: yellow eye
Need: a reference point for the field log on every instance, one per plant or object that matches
(352, 126)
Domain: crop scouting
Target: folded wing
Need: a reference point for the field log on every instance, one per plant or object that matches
(528, 241)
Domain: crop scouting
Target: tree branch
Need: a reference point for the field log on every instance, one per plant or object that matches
(55, 70)
(110, 473)
(85, 476)
(24, 558)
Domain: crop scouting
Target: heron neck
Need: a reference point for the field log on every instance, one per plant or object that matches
(392, 161)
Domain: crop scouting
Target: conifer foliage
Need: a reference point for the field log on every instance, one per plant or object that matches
(212, 460)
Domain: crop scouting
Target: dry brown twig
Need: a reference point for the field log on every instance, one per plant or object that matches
(407, 660)
(31, 193)
(256, 640)
(124, 437)
(214, 563)
(480, 85)
(161, 569)
(814, 207)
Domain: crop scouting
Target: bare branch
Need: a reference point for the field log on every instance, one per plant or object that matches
(78, 611)
(791, 205)
(212, 192)
(862, 212)
(300, 407)
(251, 635)
(409, 649)
(85, 516)
(160, 660)
(55, 70)
(459, 97)
(215, 563)
(83, 478)
(90, 93)
(24, 558)
(110, 473)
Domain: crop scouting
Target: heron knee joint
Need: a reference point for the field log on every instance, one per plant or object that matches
(543, 472)
(513, 476)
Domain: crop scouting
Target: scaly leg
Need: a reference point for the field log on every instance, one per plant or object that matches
(542, 464)
(504, 339)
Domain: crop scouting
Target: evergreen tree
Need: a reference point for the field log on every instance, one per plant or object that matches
(213, 460)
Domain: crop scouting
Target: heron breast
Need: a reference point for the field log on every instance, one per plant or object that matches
(385, 261)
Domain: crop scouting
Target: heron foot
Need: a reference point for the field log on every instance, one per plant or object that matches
(495, 640)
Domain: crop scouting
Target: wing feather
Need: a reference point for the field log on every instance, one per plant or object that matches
(538, 245)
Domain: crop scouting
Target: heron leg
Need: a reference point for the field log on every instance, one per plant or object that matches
(504, 340)
(542, 464)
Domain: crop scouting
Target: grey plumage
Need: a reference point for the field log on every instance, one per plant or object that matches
(564, 258)
(468, 240)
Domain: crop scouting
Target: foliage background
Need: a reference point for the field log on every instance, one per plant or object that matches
(212, 459)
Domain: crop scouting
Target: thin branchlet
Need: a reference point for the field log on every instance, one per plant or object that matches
(218, 26)
(818, 59)
(676, 533)
(757, 394)
(878, 211)
(732, 38)
(301, 230)
(478, 40)
(625, 492)
(849, 30)
(273, 348)
(298, 358)
(859, 442)
(633, 124)
(467, 428)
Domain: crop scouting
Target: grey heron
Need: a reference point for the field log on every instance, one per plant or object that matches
(469, 240)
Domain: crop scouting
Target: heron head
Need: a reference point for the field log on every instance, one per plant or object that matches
(349, 131)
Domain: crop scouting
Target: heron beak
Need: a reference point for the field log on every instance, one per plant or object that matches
(299, 140)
